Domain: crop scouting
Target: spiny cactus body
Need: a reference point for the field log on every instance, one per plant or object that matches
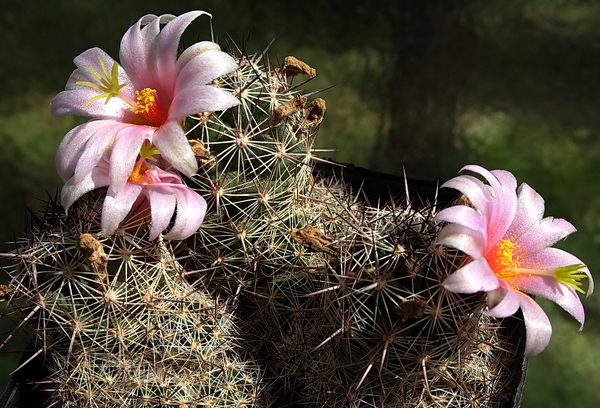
(119, 323)
(298, 290)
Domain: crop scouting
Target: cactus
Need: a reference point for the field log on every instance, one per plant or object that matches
(298, 289)
(120, 325)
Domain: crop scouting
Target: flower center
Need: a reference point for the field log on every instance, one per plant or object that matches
(138, 175)
(148, 106)
(142, 174)
(504, 256)
(571, 276)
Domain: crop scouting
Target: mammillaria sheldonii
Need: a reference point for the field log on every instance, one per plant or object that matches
(297, 282)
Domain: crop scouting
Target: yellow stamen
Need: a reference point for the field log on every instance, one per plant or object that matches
(138, 172)
(571, 276)
(146, 99)
(109, 83)
(140, 175)
(149, 108)
(504, 255)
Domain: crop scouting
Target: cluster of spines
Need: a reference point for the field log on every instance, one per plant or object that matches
(256, 170)
(335, 301)
(124, 327)
(367, 322)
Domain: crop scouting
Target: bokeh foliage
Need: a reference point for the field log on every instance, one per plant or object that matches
(422, 86)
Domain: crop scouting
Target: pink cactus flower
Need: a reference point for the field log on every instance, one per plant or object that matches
(146, 98)
(507, 244)
(147, 185)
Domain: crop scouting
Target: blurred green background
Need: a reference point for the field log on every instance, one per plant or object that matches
(426, 86)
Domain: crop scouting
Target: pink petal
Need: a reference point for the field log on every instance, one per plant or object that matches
(191, 208)
(124, 154)
(162, 206)
(474, 190)
(465, 239)
(91, 58)
(72, 145)
(546, 233)
(546, 286)
(204, 68)
(136, 48)
(502, 302)
(166, 49)
(537, 326)
(116, 207)
(491, 179)
(462, 215)
(201, 98)
(96, 147)
(498, 206)
(71, 103)
(72, 191)
(552, 258)
(193, 51)
(507, 180)
(167, 177)
(505, 204)
(530, 210)
(174, 147)
(476, 276)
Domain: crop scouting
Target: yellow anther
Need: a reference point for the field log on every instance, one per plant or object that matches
(146, 100)
(504, 255)
(138, 175)
(149, 108)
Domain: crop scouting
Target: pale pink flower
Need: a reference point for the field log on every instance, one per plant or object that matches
(147, 184)
(507, 245)
(146, 98)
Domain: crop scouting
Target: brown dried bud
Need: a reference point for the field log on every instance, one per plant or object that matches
(202, 154)
(314, 239)
(411, 309)
(314, 113)
(287, 109)
(6, 293)
(293, 66)
(94, 253)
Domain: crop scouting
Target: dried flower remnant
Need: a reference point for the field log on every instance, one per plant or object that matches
(287, 109)
(411, 309)
(95, 256)
(93, 251)
(6, 293)
(315, 112)
(201, 153)
(507, 245)
(293, 66)
(313, 238)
